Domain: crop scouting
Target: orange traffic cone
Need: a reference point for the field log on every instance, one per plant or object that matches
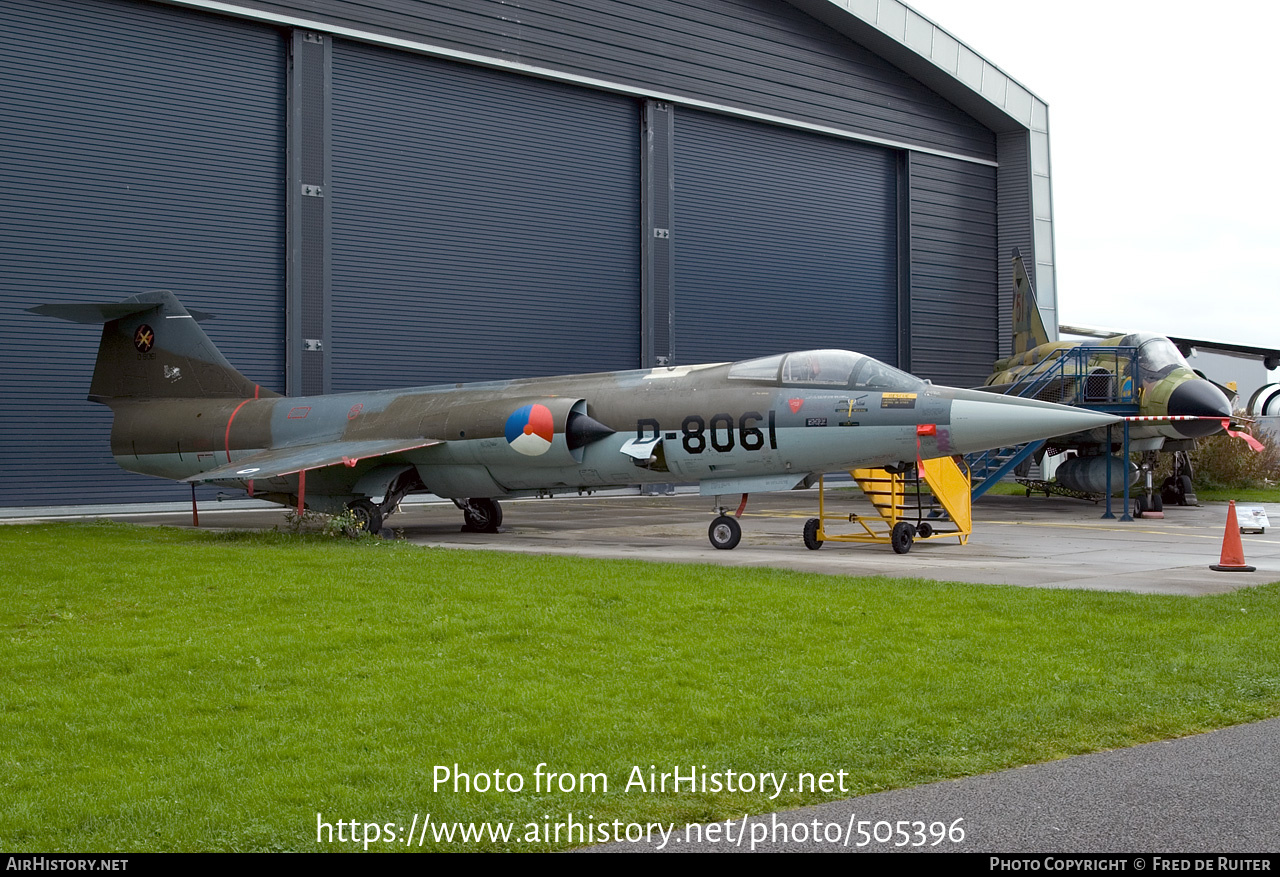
(1232, 551)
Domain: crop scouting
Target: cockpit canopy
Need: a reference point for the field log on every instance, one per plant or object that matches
(1157, 355)
(842, 369)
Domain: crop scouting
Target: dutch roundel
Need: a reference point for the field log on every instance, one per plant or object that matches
(530, 430)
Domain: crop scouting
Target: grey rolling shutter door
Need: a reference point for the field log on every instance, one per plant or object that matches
(783, 240)
(954, 278)
(485, 225)
(142, 149)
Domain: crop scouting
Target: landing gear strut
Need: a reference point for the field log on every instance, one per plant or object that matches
(370, 515)
(1149, 503)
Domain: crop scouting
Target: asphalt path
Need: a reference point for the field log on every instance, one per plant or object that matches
(1211, 793)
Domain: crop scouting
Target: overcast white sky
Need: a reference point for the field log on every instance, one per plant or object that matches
(1163, 124)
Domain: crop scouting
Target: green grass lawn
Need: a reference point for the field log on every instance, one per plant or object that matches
(1239, 494)
(179, 690)
(1204, 494)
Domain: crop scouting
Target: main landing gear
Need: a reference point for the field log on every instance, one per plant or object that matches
(370, 515)
(480, 514)
(725, 532)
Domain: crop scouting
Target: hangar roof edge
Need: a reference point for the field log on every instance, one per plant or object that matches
(936, 57)
(245, 10)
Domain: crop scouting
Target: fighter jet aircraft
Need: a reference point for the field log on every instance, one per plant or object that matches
(181, 411)
(1123, 370)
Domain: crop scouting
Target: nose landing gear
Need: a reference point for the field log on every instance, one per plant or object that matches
(725, 532)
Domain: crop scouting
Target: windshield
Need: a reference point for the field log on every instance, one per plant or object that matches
(875, 375)
(764, 369)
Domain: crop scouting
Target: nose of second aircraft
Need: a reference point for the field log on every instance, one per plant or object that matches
(1198, 398)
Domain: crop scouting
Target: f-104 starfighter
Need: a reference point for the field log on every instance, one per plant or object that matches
(183, 412)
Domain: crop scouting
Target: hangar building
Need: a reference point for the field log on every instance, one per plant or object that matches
(404, 192)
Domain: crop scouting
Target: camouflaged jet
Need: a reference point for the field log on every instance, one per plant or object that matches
(181, 411)
(1142, 373)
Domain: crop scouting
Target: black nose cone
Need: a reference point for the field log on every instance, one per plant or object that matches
(1197, 398)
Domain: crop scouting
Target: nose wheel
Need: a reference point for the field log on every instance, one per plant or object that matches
(725, 532)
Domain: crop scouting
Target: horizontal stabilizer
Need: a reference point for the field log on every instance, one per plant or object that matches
(153, 348)
(287, 461)
(105, 312)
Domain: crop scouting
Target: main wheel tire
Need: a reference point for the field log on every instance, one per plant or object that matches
(811, 540)
(482, 515)
(1157, 502)
(1170, 491)
(902, 536)
(725, 532)
(367, 514)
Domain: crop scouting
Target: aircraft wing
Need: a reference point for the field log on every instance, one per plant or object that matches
(1184, 344)
(1265, 353)
(1090, 331)
(286, 461)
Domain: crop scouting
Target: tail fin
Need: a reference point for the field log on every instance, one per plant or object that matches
(152, 348)
(1028, 328)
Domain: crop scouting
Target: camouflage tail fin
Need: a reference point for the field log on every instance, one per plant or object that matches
(152, 348)
(1028, 328)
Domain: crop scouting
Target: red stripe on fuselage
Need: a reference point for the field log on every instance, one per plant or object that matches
(230, 420)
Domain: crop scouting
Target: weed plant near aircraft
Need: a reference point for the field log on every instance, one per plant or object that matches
(181, 411)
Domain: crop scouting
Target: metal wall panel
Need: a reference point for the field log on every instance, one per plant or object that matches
(953, 270)
(760, 55)
(783, 240)
(142, 149)
(658, 204)
(1016, 228)
(485, 225)
(309, 228)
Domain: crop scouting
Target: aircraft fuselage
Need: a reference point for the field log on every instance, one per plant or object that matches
(697, 423)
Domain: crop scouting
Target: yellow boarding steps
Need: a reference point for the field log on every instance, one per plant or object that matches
(932, 507)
